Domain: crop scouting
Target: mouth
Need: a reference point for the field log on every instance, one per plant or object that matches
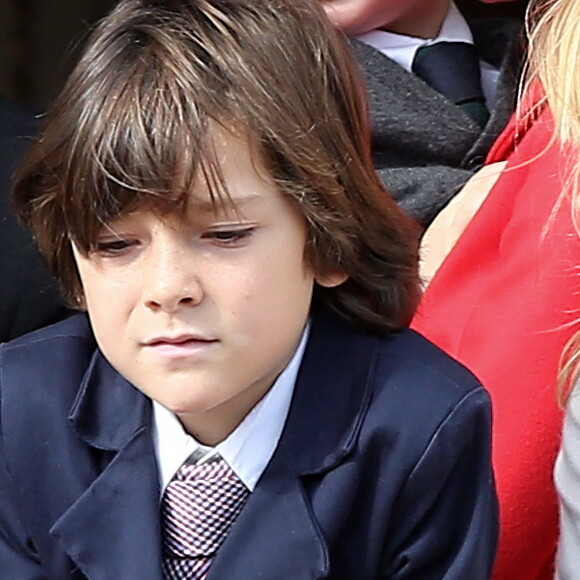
(178, 346)
(186, 339)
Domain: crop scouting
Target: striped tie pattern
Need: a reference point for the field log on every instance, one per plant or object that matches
(198, 508)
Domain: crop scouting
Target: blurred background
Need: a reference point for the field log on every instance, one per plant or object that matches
(39, 40)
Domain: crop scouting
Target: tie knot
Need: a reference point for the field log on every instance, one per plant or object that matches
(209, 471)
(198, 508)
(453, 69)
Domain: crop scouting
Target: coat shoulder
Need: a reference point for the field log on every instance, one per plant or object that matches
(417, 389)
(423, 366)
(55, 357)
(74, 327)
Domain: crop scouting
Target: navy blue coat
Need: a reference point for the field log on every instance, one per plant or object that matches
(382, 471)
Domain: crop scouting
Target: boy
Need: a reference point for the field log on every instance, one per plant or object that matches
(241, 401)
(426, 147)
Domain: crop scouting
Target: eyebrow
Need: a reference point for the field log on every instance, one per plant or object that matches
(225, 203)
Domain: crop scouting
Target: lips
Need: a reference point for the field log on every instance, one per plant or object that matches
(184, 345)
(182, 339)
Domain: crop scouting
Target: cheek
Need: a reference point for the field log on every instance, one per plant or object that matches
(283, 279)
(277, 291)
(108, 287)
(107, 303)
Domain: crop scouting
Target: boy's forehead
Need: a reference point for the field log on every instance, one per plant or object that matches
(231, 176)
(228, 141)
(233, 167)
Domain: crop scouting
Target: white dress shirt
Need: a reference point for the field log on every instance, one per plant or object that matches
(402, 49)
(248, 449)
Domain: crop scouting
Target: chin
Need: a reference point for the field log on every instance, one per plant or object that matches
(186, 405)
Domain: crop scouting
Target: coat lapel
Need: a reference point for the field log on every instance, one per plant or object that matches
(277, 534)
(112, 530)
(504, 47)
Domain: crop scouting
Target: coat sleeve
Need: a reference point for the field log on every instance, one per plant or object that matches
(567, 477)
(446, 514)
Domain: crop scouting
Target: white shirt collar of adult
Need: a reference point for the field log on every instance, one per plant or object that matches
(248, 449)
(402, 49)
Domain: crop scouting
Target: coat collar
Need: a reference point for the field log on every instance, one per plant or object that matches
(113, 530)
(333, 386)
(108, 410)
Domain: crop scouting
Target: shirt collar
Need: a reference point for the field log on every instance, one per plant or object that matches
(402, 49)
(248, 449)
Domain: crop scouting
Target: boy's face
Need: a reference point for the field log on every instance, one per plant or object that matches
(201, 313)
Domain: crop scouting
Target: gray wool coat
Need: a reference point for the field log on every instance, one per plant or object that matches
(424, 147)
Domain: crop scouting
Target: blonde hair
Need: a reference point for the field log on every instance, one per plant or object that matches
(553, 60)
(554, 46)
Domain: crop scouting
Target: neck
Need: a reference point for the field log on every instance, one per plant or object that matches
(423, 22)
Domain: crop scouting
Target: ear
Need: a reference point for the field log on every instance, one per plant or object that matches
(331, 279)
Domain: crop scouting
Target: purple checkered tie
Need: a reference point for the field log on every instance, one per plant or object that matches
(198, 508)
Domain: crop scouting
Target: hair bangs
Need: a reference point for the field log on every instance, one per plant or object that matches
(144, 139)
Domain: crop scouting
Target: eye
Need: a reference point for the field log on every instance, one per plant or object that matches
(114, 246)
(229, 237)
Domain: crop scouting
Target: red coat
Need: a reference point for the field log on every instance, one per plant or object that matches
(504, 303)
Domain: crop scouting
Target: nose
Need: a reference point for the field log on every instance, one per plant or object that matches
(171, 282)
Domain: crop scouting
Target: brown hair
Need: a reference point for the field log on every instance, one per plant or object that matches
(131, 125)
